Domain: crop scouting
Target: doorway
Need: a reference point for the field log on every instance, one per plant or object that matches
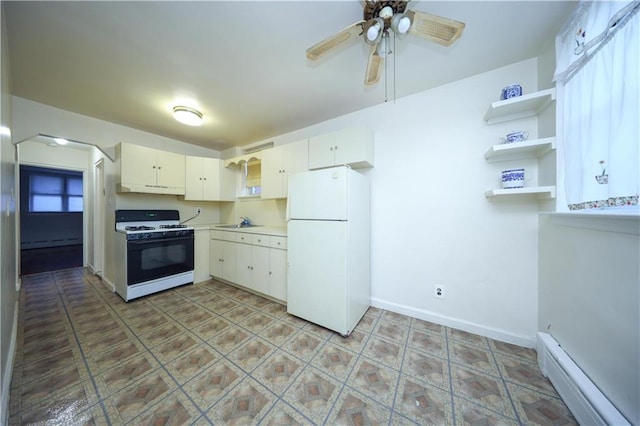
(51, 219)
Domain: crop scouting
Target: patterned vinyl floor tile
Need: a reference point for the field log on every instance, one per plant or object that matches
(212, 353)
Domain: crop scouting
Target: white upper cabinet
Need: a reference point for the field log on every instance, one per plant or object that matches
(148, 170)
(205, 180)
(352, 146)
(278, 163)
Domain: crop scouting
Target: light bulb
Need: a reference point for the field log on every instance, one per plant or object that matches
(372, 32)
(404, 24)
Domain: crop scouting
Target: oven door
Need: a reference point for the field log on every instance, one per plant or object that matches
(158, 258)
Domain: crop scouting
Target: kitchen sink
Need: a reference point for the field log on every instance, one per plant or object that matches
(237, 226)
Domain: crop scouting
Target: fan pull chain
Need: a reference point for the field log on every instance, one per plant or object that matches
(394, 68)
(386, 67)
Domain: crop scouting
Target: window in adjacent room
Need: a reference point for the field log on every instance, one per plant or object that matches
(52, 190)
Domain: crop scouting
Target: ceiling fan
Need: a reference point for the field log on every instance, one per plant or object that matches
(379, 17)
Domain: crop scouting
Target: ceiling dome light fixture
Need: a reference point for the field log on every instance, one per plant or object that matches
(187, 115)
(61, 141)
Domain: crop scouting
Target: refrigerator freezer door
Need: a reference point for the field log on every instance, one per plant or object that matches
(317, 273)
(319, 195)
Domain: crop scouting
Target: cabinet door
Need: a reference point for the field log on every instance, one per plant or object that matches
(171, 170)
(272, 173)
(228, 261)
(278, 274)
(193, 178)
(260, 269)
(351, 145)
(243, 265)
(211, 179)
(321, 151)
(138, 165)
(295, 159)
(228, 182)
(215, 258)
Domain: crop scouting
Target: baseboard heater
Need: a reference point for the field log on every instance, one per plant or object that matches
(587, 404)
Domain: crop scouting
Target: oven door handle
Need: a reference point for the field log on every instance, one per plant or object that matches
(159, 240)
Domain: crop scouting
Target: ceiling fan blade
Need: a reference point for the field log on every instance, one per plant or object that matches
(325, 46)
(441, 30)
(374, 66)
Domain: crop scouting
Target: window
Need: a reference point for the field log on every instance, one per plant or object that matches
(598, 85)
(51, 190)
(251, 175)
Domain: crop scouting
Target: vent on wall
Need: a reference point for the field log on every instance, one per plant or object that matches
(587, 404)
(258, 148)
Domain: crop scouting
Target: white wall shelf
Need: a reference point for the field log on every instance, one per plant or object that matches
(540, 192)
(520, 150)
(519, 107)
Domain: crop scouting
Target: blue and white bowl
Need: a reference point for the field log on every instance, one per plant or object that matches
(513, 178)
(511, 91)
(514, 136)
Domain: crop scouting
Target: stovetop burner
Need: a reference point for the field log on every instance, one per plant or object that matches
(139, 228)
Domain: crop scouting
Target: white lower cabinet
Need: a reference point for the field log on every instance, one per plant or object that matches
(257, 262)
(252, 267)
(222, 262)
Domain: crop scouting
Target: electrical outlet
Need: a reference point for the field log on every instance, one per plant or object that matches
(438, 291)
(198, 210)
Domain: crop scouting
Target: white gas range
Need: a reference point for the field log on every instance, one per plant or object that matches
(156, 251)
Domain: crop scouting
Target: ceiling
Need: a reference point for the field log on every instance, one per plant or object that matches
(242, 63)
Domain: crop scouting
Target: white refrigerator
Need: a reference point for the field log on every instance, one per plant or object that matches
(328, 255)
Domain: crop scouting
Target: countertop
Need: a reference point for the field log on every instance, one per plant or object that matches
(262, 230)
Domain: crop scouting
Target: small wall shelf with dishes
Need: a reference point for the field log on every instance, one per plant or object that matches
(540, 192)
(519, 107)
(513, 109)
(520, 150)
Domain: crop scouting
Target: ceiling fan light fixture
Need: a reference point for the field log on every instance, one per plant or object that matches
(187, 115)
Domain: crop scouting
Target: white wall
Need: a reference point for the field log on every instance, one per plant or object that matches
(31, 118)
(8, 274)
(590, 300)
(431, 224)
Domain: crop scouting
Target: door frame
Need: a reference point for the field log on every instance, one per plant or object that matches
(99, 194)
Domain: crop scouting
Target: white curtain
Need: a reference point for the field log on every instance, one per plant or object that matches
(601, 105)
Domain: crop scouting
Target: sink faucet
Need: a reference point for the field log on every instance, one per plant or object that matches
(245, 221)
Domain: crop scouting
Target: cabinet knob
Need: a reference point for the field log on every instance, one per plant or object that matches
(331, 149)
(336, 147)
(270, 273)
(199, 178)
(154, 167)
(248, 267)
(252, 268)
